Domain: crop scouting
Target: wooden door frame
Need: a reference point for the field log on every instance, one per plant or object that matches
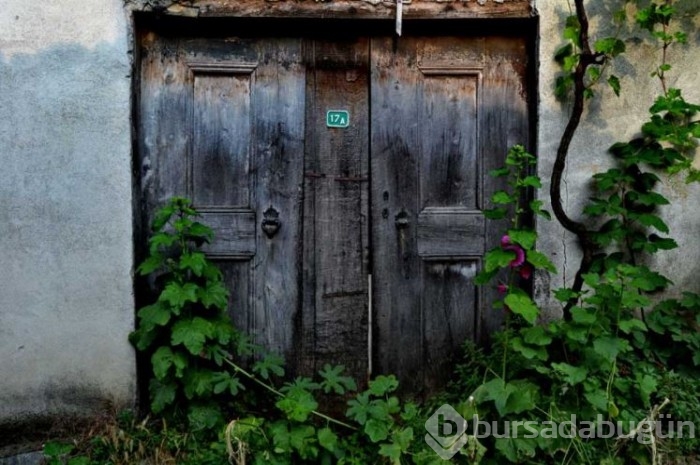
(309, 20)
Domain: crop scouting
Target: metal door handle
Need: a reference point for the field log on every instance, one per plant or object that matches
(401, 220)
(271, 222)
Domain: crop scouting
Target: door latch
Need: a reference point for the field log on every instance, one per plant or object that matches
(271, 222)
(401, 220)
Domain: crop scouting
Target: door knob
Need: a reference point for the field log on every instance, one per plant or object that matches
(401, 219)
(271, 222)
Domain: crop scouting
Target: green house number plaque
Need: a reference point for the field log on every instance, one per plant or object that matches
(338, 118)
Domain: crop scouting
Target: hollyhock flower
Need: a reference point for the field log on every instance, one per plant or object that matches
(502, 288)
(526, 271)
(519, 256)
(519, 252)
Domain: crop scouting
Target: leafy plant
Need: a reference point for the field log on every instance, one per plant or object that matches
(186, 331)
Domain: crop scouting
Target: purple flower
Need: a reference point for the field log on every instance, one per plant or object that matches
(519, 255)
(502, 288)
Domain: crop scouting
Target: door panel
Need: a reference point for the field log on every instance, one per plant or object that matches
(221, 122)
(444, 111)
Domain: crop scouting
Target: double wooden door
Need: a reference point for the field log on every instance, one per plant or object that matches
(353, 245)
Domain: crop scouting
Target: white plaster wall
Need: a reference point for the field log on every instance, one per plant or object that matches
(66, 304)
(610, 119)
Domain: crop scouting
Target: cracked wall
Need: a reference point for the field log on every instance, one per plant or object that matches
(607, 120)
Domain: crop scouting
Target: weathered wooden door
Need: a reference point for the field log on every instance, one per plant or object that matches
(444, 112)
(305, 213)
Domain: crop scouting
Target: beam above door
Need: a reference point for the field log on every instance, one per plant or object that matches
(366, 9)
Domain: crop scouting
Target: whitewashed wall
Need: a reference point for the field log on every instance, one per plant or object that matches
(66, 303)
(610, 119)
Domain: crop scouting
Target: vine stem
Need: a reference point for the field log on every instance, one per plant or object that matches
(586, 59)
(255, 379)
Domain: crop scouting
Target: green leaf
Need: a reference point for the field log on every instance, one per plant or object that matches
(563, 52)
(614, 83)
(162, 395)
(155, 314)
(199, 383)
(192, 333)
(500, 172)
(495, 213)
(327, 439)
(609, 46)
(536, 335)
(376, 430)
(82, 460)
(270, 364)
(572, 375)
(297, 405)
(224, 381)
(163, 359)
(484, 277)
(199, 230)
(178, 295)
(383, 385)
(583, 316)
(525, 398)
(598, 399)
(150, 265)
(302, 438)
(531, 181)
(334, 381)
(497, 258)
(161, 240)
(627, 326)
(540, 260)
(528, 351)
(564, 295)
(391, 451)
(204, 417)
(403, 438)
(608, 347)
(359, 408)
(526, 238)
(648, 219)
(521, 303)
(502, 197)
(57, 449)
(194, 261)
(214, 295)
(647, 386)
(496, 390)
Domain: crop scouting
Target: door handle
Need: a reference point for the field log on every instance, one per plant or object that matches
(271, 222)
(401, 220)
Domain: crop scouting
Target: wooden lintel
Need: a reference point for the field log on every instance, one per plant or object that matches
(364, 9)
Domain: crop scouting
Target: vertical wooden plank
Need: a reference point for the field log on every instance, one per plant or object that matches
(276, 182)
(337, 176)
(221, 139)
(163, 125)
(395, 137)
